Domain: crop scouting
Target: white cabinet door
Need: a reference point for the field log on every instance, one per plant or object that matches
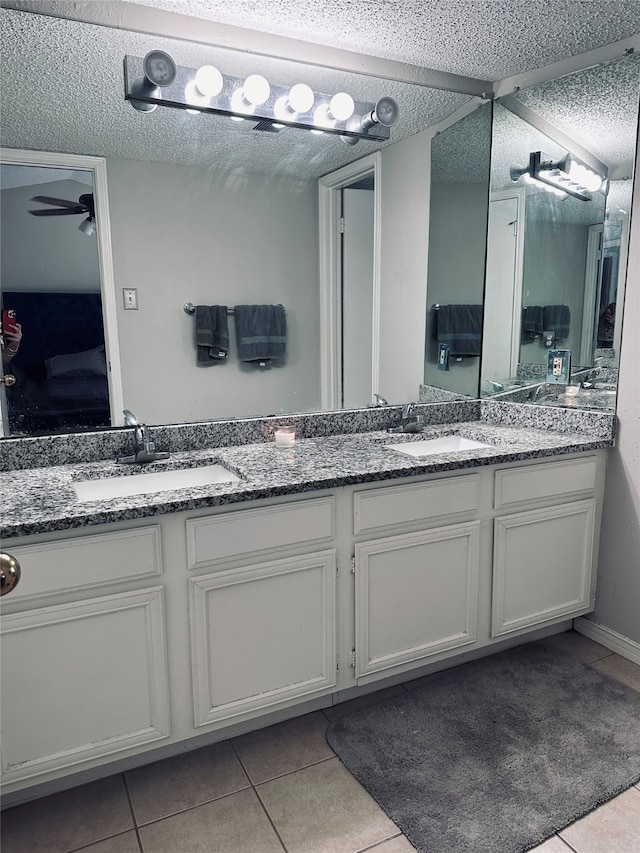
(416, 596)
(82, 681)
(542, 565)
(262, 636)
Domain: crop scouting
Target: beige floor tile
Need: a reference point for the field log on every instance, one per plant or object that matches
(614, 827)
(68, 820)
(552, 845)
(284, 748)
(323, 809)
(400, 844)
(338, 711)
(125, 843)
(579, 646)
(233, 824)
(170, 786)
(621, 669)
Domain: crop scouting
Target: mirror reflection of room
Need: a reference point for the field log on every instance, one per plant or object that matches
(51, 282)
(556, 260)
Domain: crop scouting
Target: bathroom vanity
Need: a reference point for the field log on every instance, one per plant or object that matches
(145, 625)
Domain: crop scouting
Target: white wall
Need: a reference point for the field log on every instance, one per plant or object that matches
(207, 236)
(618, 591)
(406, 175)
(46, 253)
(555, 257)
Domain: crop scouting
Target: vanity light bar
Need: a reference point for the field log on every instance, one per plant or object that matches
(156, 80)
(561, 176)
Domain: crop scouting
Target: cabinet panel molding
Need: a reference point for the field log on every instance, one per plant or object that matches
(84, 562)
(262, 636)
(545, 481)
(543, 561)
(105, 657)
(241, 532)
(379, 508)
(416, 596)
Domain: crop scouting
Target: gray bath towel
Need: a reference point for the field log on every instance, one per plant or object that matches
(261, 331)
(557, 318)
(212, 334)
(460, 327)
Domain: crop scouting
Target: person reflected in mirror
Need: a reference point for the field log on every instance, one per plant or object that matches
(606, 326)
(10, 341)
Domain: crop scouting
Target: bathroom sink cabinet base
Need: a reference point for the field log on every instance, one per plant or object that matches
(127, 642)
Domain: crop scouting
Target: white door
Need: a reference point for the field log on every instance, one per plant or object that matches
(503, 291)
(357, 297)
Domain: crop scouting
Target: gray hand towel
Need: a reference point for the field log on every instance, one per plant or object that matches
(212, 334)
(261, 331)
(557, 318)
(460, 327)
(532, 321)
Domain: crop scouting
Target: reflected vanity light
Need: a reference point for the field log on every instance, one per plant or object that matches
(564, 177)
(156, 80)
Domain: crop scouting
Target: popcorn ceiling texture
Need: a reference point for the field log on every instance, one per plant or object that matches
(487, 39)
(85, 111)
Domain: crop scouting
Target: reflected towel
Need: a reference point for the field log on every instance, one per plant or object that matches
(261, 331)
(460, 327)
(532, 321)
(557, 318)
(212, 334)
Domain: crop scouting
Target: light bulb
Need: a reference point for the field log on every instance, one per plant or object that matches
(256, 89)
(342, 106)
(323, 117)
(193, 96)
(301, 98)
(209, 81)
(239, 103)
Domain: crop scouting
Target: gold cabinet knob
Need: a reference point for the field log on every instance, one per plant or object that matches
(8, 379)
(9, 573)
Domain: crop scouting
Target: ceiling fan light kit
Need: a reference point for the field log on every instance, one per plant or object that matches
(156, 80)
(64, 207)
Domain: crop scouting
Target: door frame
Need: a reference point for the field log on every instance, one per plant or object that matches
(330, 268)
(98, 168)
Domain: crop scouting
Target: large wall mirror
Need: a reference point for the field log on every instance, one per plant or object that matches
(203, 210)
(208, 211)
(556, 260)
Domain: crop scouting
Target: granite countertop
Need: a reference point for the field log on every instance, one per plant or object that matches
(39, 500)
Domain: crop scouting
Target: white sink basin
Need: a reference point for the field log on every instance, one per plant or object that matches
(430, 446)
(158, 481)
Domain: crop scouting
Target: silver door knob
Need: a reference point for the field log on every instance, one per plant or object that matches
(8, 379)
(9, 573)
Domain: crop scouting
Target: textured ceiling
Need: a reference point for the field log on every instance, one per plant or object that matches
(486, 39)
(61, 86)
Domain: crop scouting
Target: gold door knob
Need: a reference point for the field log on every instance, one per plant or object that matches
(8, 379)
(9, 573)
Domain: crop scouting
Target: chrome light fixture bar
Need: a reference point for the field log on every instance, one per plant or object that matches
(156, 80)
(563, 176)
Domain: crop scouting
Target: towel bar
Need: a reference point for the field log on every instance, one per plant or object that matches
(190, 308)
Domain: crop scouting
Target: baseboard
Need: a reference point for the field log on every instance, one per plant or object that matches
(607, 637)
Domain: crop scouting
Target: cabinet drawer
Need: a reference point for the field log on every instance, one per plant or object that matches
(250, 531)
(545, 480)
(87, 561)
(375, 508)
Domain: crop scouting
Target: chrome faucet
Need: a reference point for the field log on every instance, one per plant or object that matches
(408, 421)
(144, 446)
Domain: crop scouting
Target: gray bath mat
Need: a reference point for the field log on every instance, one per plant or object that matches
(496, 755)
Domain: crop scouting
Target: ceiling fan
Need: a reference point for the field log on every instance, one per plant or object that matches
(69, 208)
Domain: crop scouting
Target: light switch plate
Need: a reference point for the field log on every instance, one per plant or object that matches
(130, 298)
(559, 366)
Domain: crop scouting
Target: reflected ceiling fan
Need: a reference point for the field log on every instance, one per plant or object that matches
(63, 207)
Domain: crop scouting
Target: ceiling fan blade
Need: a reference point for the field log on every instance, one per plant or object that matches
(56, 212)
(58, 202)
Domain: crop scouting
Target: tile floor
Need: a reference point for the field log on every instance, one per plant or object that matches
(275, 790)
